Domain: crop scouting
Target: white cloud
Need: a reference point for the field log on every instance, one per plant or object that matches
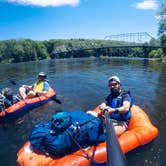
(45, 3)
(147, 4)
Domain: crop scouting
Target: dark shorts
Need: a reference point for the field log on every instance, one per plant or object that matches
(27, 89)
(120, 123)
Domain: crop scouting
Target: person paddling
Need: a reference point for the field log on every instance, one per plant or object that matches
(118, 104)
(38, 89)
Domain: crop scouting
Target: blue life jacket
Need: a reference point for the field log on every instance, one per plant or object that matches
(116, 102)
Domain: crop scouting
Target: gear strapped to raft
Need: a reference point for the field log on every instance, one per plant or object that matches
(66, 133)
(7, 98)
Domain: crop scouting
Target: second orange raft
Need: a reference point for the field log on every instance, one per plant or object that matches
(21, 107)
(141, 131)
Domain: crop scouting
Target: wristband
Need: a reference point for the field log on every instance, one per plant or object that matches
(116, 110)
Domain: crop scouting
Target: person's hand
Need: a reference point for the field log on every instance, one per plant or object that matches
(37, 93)
(102, 106)
(111, 110)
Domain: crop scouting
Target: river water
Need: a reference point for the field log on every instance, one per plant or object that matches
(82, 84)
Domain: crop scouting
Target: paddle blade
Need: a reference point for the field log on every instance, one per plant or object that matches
(12, 82)
(54, 98)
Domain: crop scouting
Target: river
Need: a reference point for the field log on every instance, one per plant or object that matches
(82, 84)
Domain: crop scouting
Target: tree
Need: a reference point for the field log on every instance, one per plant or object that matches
(41, 51)
(156, 53)
(18, 53)
(162, 23)
(154, 42)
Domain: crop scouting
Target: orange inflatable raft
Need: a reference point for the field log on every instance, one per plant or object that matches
(140, 132)
(19, 108)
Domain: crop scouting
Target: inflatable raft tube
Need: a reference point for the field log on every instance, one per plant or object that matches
(141, 131)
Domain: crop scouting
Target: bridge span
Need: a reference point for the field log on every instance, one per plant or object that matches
(125, 41)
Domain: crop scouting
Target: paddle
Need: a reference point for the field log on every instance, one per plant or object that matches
(115, 156)
(12, 82)
(54, 98)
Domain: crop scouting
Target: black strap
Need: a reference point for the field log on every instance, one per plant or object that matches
(2, 104)
(91, 158)
(80, 147)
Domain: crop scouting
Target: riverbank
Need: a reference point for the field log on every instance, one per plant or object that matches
(163, 59)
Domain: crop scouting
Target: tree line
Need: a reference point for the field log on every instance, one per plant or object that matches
(14, 51)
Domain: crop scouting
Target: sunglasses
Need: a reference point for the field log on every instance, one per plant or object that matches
(113, 83)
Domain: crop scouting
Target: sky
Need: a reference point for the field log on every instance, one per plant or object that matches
(66, 19)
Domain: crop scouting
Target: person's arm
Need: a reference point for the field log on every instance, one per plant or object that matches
(27, 87)
(123, 109)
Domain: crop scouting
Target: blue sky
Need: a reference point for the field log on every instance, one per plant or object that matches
(66, 19)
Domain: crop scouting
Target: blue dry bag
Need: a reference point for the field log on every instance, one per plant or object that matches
(67, 132)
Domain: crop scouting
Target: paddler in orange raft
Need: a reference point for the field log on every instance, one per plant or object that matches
(38, 89)
(118, 104)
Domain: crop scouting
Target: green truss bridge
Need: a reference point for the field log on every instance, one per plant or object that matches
(125, 42)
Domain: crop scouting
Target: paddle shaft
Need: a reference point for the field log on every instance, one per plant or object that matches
(55, 99)
(115, 156)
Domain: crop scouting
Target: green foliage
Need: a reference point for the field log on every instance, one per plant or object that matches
(154, 42)
(136, 52)
(156, 53)
(162, 23)
(163, 40)
(41, 51)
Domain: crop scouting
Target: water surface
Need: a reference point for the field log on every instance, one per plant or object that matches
(82, 84)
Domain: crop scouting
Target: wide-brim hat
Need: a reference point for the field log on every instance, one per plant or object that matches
(42, 74)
